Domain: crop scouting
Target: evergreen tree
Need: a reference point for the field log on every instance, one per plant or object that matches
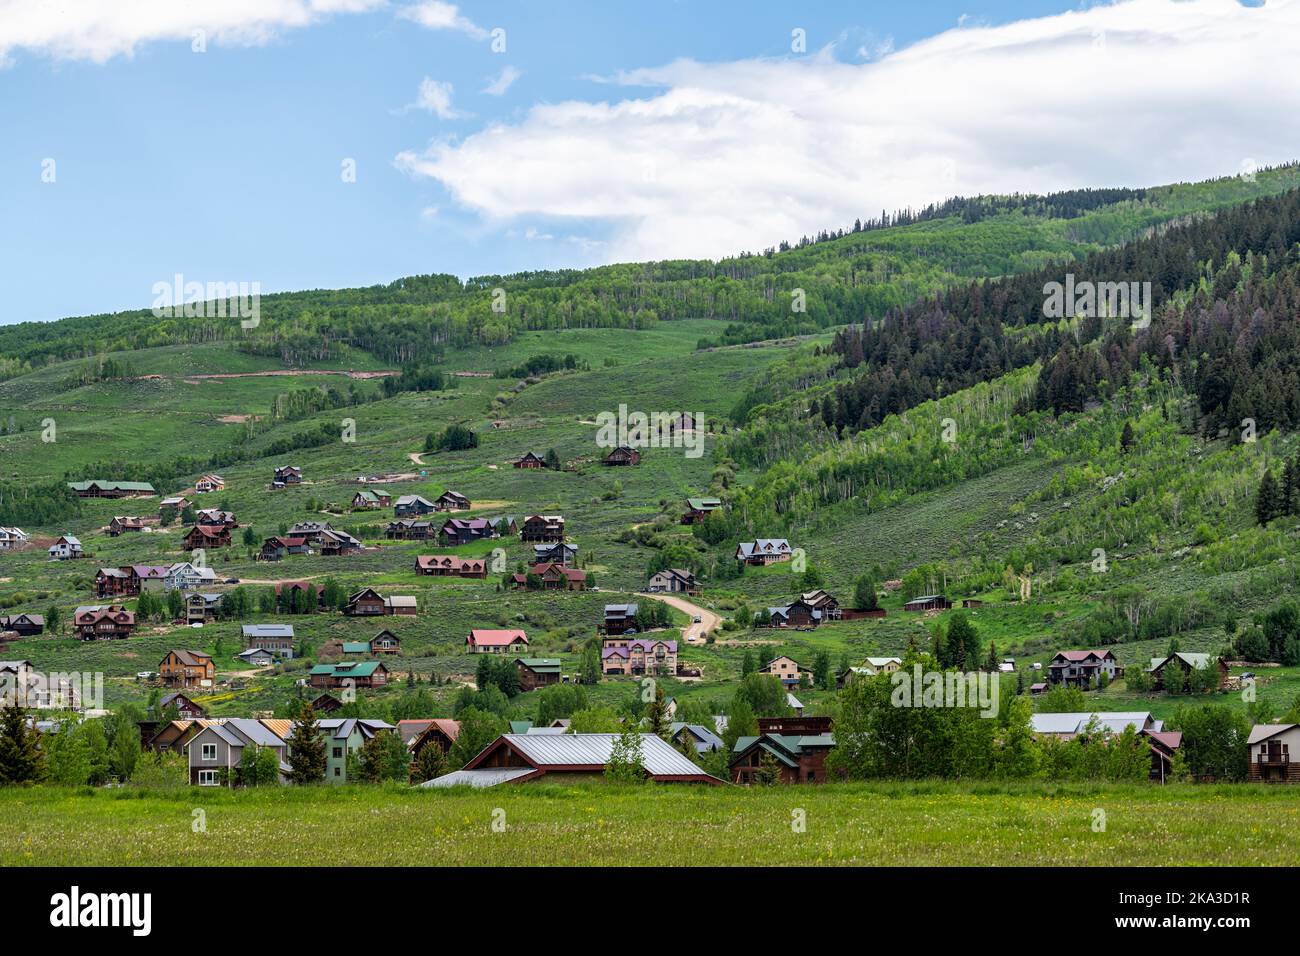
(306, 749)
(1126, 437)
(431, 763)
(21, 757)
(657, 714)
(1267, 499)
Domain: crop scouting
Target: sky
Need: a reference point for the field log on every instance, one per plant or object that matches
(335, 143)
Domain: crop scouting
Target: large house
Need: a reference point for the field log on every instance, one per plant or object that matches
(535, 672)
(371, 499)
(280, 547)
(112, 489)
(408, 529)
(458, 531)
(1082, 668)
(217, 749)
(516, 758)
(312, 531)
(286, 475)
(66, 548)
(1270, 753)
(786, 669)
(121, 524)
(103, 621)
(764, 551)
(344, 736)
(622, 455)
(639, 656)
(452, 501)
(552, 577)
(385, 642)
(796, 748)
(181, 668)
(544, 528)
(558, 553)
(203, 536)
(276, 638)
(1162, 745)
(359, 674)
(675, 580)
(202, 606)
(797, 614)
(823, 602)
(185, 576)
(620, 619)
(448, 565)
(494, 641)
(333, 543)
(215, 516)
(1186, 663)
(409, 505)
(209, 483)
(24, 625)
(368, 602)
(115, 582)
(530, 460)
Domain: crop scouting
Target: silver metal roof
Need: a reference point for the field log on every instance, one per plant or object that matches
(658, 756)
(1115, 722)
(477, 778)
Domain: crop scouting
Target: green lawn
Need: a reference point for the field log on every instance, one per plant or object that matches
(925, 824)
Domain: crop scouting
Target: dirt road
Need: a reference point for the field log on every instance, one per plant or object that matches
(694, 633)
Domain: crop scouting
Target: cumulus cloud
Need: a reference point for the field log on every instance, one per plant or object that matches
(706, 159)
(503, 82)
(437, 15)
(99, 30)
(435, 97)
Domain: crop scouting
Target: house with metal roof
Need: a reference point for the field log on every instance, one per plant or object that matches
(1114, 722)
(344, 736)
(517, 758)
(795, 757)
(66, 548)
(483, 640)
(764, 551)
(357, 675)
(704, 738)
(1186, 662)
(215, 752)
(1270, 753)
(535, 672)
(276, 638)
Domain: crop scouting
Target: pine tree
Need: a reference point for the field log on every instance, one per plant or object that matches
(1126, 437)
(431, 763)
(1266, 501)
(657, 714)
(306, 748)
(21, 758)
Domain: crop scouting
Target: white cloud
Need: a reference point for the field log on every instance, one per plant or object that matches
(437, 15)
(716, 158)
(503, 82)
(435, 97)
(99, 30)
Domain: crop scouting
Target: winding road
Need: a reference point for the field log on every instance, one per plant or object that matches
(693, 633)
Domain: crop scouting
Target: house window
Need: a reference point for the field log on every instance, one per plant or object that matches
(338, 771)
(209, 754)
(207, 778)
(338, 752)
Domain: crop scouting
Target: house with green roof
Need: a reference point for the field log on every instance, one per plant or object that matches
(99, 488)
(385, 642)
(356, 675)
(1186, 662)
(537, 672)
(363, 500)
(795, 758)
(697, 509)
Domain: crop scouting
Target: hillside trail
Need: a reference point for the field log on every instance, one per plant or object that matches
(694, 633)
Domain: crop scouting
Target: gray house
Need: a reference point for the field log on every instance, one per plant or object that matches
(216, 751)
(276, 638)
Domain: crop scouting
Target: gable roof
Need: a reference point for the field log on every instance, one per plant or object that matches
(1261, 732)
(490, 637)
(592, 752)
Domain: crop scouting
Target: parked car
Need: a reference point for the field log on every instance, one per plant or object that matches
(697, 619)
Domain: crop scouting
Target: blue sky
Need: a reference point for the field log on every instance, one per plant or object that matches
(633, 130)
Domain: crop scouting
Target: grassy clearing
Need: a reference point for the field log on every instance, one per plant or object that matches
(924, 824)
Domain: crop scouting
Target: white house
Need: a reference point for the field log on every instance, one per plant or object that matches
(66, 547)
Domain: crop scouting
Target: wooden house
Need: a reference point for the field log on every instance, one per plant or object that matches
(334, 543)
(544, 528)
(697, 509)
(385, 642)
(412, 505)
(202, 537)
(620, 619)
(184, 707)
(559, 553)
(438, 732)
(639, 656)
(362, 674)
(928, 602)
(1270, 753)
(449, 565)
(364, 500)
(286, 475)
(103, 622)
(797, 757)
(201, 607)
(622, 455)
(452, 501)
(530, 460)
(67, 547)
(796, 614)
(209, 483)
(535, 672)
(276, 638)
(365, 603)
(173, 506)
(1186, 662)
(458, 531)
(278, 548)
(673, 580)
(182, 668)
(112, 489)
(24, 625)
(493, 641)
(1082, 668)
(785, 669)
(326, 704)
(215, 516)
(764, 551)
(824, 602)
(408, 530)
(115, 582)
(121, 524)
(13, 539)
(551, 577)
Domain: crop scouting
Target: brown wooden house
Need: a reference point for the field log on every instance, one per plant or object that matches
(449, 565)
(535, 672)
(365, 603)
(101, 622)
(530, 460)
(622, 455)
(543, 528)
(187, 669)
(552, 577)
(452, 501)
(203, 536)
(121, 525)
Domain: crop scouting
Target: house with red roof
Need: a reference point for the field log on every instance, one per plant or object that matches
(1082, 668)
(490, 641)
